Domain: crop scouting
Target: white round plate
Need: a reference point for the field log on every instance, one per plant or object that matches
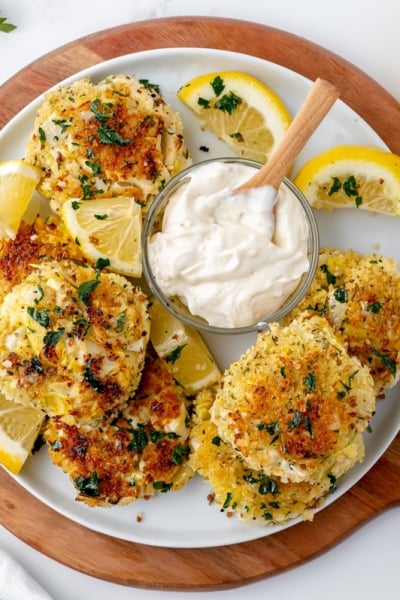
(185, 519)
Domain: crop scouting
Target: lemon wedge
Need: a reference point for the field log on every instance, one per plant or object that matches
(19, 428)
(239, 109)
(184, 350)
(352, 176)
(18, 180)
(108, 228)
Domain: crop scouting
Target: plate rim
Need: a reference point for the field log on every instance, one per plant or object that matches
(182, 19)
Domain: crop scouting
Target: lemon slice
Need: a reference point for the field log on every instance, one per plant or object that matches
(18, 180)
(108, 228)
(239, 109)
(184, 350)
(352, 176)
(19, 428)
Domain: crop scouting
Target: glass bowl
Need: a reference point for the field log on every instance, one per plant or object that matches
(153, 224)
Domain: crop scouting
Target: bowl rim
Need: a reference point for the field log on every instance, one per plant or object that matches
(195, 321)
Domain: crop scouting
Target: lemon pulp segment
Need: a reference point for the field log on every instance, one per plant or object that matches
(183, 348)
(18, 180)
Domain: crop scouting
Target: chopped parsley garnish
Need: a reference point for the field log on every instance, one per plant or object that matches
(42, 134)
(300, 418)
(332, 487)
(228, 103)
(350, 188)
(52, 337)
(218, 85)
(110, 136)
(228, 500)
(386, 361)
(374, 307)
(40, 316)
(121, 322)
(139, 439)
(203, 102)
(175, 354)
(81, 327)
(101, 263)
(336, 185)
(310, 381)
(62, 123)
(272, 428)
(92, 380)
(86, 288)
(94, 166)
(340, 295)
(179, 453)
(88, 486)
(102, 111)
(162, 486)
(150, 86)
(330, 278)
(36, 364)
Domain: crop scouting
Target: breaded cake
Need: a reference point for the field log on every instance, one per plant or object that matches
(251, 495)
(360, 297)
(44, 239)
(112, 138)
(73, 340)
(144, 450)
(295, 405)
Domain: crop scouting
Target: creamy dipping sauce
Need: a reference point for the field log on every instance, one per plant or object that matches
(232, 259)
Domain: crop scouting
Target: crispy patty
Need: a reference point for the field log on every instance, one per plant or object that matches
(360, 297)
(116, 137)
(72, 340)
(43, 239)
(295, 405)
(142, 451)
(251, 495)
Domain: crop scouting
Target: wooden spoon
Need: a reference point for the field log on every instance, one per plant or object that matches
(317, 104)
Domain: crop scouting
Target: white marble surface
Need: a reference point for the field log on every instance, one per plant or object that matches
(365, 32)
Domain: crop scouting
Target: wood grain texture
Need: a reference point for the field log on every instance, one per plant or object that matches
(143, 566)
(358, 90)
(139, 565)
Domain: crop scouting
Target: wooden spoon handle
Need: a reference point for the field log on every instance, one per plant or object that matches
(316, 105)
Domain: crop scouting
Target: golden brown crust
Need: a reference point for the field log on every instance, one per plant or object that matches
(360, 297)
(116, 137)
(142, 451)
(43, 239)
(73, 340)
(295, 404)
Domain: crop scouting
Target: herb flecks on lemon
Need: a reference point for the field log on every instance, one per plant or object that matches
(183, 348)
(107, 228)
(239, 109)
(352, 177)
(19, 427)
(18, 181)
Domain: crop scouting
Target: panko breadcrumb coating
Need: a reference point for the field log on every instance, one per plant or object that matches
(73, 340)
(144, 450)
(360, 296)
(252, 495)
(43, 239)
(117, 137)
(295, 405)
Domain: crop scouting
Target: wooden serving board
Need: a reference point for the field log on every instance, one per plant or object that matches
(213, 568)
